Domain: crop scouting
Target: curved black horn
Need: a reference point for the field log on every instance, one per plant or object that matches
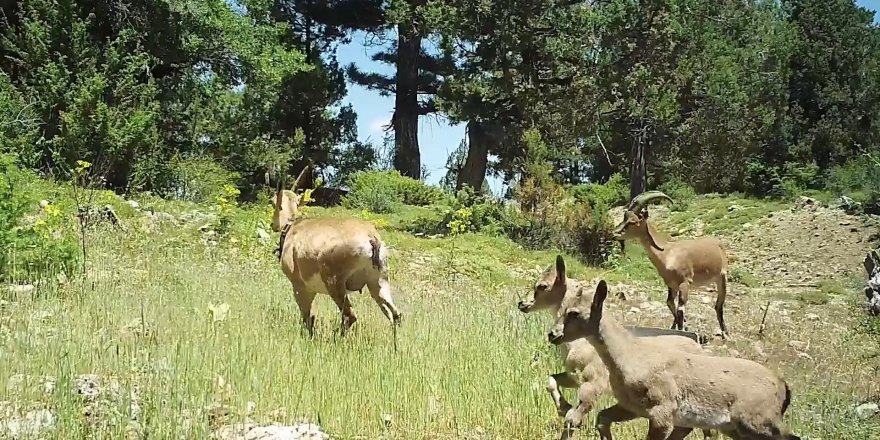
(640, 201)
(301, 174)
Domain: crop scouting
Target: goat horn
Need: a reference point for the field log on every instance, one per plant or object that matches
(280, 183)
(640, 201)
(301, 174)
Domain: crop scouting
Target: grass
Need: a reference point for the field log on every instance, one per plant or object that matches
(467, 365)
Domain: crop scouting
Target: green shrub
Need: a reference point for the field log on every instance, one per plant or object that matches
(681, 192)
(614, 192)
(43, 246)
(551, 220)
(196, 179)
(382, 191)
(762, 180)
(858, 178)
(798, 178)
(469, 212)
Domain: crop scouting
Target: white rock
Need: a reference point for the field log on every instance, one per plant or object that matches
(634, 310)
(797, 345)
(44, 203)
(263, 235)
(812, 317)
(21, 289)
(867, 410)
(133, 204)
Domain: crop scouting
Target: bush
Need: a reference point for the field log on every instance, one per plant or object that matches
(551, 218)
(469, 212)
(858, 178)
(762, 180)
(197, 179)
(31, 250)
(614, 192)
(680, 191)
(798, 178)
(382, 191)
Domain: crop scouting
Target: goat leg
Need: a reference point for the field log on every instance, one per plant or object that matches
(670, 303)
(719, 304)
(304, 299)
(554, 382)
(587, 394)
(613, 414)
(683, 291)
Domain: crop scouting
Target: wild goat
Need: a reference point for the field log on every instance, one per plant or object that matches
(583, 367)
(675, 390)
(683, 264)
(333, 256)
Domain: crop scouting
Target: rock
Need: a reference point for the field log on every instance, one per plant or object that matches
(44, 203)
(804, 201)
(31, 425)
(21, 289)
(866, 410)
(705, 300)
(797, 345)
(634, 310)
(812, 317)
(805, 356)
(263, 235)
(133, 204)
(732, 208)
(249, 431)
(848, 205)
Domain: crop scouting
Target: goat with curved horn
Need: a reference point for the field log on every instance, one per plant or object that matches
(333, 256)
(683, 264)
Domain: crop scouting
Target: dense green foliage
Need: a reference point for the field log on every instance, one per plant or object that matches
(37, 246)
(183, 98)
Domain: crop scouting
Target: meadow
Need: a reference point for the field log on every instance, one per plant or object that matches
(194, 330)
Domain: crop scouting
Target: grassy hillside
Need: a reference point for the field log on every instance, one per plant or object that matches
(188, 329)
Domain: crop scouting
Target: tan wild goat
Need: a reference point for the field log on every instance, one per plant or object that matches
(683, 264)
(583, 367)
(675, 390)
(333, 256)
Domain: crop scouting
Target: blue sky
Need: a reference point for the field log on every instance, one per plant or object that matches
(437, 138)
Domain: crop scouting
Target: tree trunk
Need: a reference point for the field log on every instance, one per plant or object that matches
(406, 104)
(638, 180)
(473, 173)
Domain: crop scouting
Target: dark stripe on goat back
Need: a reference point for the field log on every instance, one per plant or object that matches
(643, 332)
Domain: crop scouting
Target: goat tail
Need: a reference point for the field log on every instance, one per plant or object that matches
(376, 254)
(786, 402)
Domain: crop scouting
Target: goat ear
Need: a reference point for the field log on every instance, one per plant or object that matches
(560, 269)
(599, 300)
(651, 235)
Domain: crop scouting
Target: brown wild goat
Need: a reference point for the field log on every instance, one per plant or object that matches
(333, 256)
(683, 264)
(675, 390)
(583, 368)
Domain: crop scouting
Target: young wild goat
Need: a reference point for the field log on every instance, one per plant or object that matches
(683, 264)
(583, 367)
(675, 390)
(332, 256)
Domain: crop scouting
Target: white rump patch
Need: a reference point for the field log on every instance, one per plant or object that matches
(699, 416)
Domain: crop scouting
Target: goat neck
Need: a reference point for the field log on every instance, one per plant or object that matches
(615, 346)
(654, 254)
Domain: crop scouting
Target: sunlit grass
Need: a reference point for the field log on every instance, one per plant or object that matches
(467, 363)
